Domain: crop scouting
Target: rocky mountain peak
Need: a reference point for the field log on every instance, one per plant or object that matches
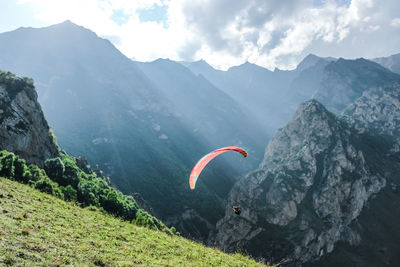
(307, 62)
(313, 182)
(202, 62)
(311, 123)
(249, 69)
(69, 26)
(67, 22)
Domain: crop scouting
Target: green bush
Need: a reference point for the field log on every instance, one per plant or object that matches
(64, 179)
(130, 207)
(48, 186)
(88, 193)
(20, 170)
(54, 169)
(7, 165)
(69, 192)
(35, 173)
(112, 202)
(145, 219)
(15, 168)
(141, 218)
(70, 175)
(118, 204)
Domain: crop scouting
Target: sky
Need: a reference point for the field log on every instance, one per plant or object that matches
(225, 33)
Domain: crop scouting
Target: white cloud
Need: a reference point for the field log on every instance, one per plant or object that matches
(225, 32)
(395, 22)
(280, 33)
(140, 40)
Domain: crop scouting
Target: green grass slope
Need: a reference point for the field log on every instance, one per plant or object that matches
(40, 229)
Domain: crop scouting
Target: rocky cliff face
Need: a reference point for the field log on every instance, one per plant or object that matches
(375, 116)
(23, 128)
(318, 175)
(378, 111)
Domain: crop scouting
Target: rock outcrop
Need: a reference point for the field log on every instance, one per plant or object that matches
(23, 128)
(318, 174)
(378, 112)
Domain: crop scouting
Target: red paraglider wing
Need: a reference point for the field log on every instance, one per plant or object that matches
(206, 159)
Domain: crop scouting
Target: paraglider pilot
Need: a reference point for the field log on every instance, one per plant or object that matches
(236, 210)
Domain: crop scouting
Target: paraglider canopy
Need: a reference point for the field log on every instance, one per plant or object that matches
(236, 210)
(206, 159)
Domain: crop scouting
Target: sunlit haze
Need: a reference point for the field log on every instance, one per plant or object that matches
(224, 32)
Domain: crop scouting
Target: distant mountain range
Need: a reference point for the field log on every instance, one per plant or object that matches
(273, 97)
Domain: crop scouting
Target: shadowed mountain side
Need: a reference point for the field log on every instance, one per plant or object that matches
(209, 112)
(344, 81)
(257, 89)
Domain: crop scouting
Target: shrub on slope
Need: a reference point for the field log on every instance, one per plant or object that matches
(62, 177)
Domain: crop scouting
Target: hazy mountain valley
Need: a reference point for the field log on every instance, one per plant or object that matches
(320, 186)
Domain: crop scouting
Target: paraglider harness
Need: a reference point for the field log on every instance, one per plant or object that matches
(236, 210)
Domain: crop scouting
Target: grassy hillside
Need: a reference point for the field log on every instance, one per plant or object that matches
(63, 178)
(40, 229)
